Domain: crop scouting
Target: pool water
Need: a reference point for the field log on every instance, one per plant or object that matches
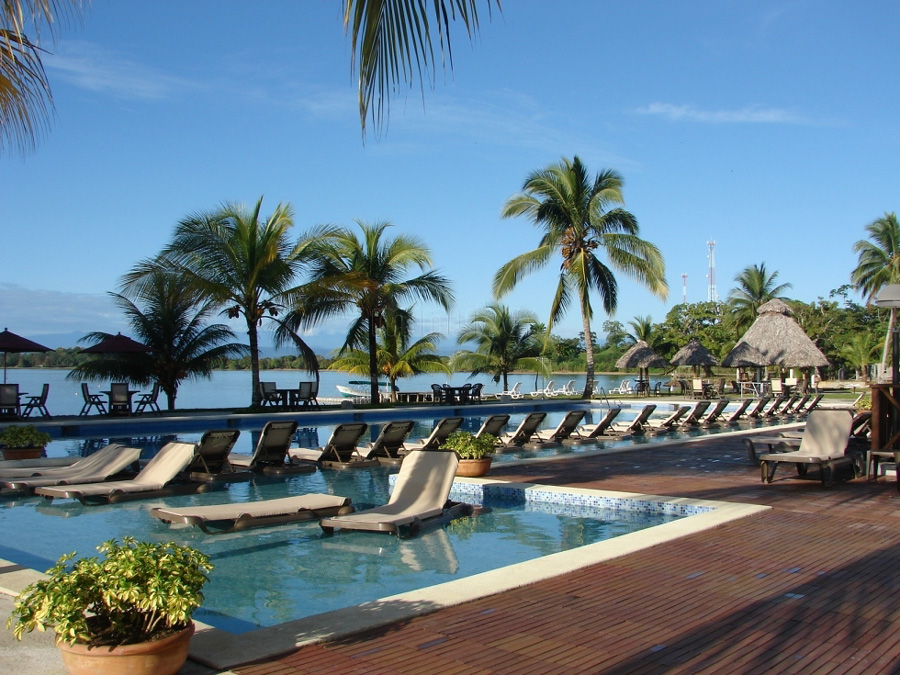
(269, 576)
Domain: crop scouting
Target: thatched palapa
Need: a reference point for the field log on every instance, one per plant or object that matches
(640, 356)
(778, 339)
(694, 354)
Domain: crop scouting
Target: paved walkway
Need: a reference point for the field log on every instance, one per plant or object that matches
(808, 587)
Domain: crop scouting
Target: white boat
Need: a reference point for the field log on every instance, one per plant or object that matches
(357, 391)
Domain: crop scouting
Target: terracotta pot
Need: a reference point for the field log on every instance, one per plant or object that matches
(159, 657)
(472, 468)
(23, 453)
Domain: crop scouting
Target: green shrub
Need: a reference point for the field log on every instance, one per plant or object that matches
(23, 436)
(467, 446)
(141, 592)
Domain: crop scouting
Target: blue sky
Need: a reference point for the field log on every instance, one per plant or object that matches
(768, 127)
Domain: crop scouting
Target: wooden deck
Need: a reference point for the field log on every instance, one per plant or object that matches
(808, 587)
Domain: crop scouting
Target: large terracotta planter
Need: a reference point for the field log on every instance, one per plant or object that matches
(472, 468)
(160, 657)
(23, 453)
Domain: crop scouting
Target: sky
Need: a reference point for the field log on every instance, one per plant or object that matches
(769, 128)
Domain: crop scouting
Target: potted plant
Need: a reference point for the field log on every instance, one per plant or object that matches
(23, 442)
(129, 613)
(474, 452)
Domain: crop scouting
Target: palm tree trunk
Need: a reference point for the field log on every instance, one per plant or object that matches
(887, 339)
(589, 357)
(373, 364)
(256, 399)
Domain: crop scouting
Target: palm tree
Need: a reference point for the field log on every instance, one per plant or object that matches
(391, 43)
(397, 356)
(859, 352)
(26, 104)
(172, 321)
(879, 265)
(755, 288)
(371, 273)
(239, 262)
(504, 341)
(574, 212)
(642, 329)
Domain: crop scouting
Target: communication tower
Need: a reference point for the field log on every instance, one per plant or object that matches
(684, 289)
(712, 295)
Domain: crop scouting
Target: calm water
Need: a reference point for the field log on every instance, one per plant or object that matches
(231, 389)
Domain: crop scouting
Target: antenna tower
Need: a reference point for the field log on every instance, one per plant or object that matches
(684, 289)
(712, 295)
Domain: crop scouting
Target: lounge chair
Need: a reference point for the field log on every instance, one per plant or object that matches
(773, 409)
(760, 406)
(418, 501)
(564, 429)
(812, 405)
(148, 401)
(712, 417)
(548, 391)
(38, 403)
(438, 435)
(340, 452)
(787, 408)
(823, 444)
(386, 448)
(154, 480)
(636, 426)
(94, 468)
(693, 418)
(91, 401)
(270, 456)
(119, 398)
(588, 431)
(493, 425)
(234, 517)
(526, 430)
(668, 423)
(568, 389)
(623, 388)
(513, 393)
(211, 461)
(734, 417)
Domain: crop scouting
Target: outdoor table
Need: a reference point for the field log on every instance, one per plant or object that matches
(642, 387)
(753, 388)
(413, 396)
(120, 408)
(288, 399)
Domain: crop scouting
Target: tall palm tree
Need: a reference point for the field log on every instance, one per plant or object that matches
(240, 262)
(371, 273)
(172, 320)
(504, 341)
(573, 210)
(397, 355)
(642, 329)
(859, 352)
(878, 265)
(391, 42)
(26, 104)
(755, 287)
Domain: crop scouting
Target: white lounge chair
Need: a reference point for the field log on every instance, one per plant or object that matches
(152, 481)
(419, 499)
(95, 468)
(564, 429)
(223, 518)
(624, 388)
(568, 389)
(548, 391)
(513, 393)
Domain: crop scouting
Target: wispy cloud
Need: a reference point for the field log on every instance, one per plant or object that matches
(59, 312)
(98, 69)
(750, 115)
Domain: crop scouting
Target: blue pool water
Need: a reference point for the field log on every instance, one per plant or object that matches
(268, 576)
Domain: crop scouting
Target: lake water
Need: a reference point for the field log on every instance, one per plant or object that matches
(231, 388)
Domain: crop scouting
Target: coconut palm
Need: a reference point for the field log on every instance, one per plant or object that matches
(574, 213)
(371, 273)
(26, 105)
(641, 329)
(878, 265)
(755, 288)
(504, 341)
(391, 42)
(860, 352)
(240, 262)
(397, 356)
(171, 319)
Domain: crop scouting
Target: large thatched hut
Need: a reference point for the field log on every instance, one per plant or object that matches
(778, 339)
(694, 354)
(640, 356)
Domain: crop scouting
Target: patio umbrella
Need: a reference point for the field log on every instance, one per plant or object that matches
(117, 344)
(10, 343)
(694, 354)
(642, 357)
(778, 339)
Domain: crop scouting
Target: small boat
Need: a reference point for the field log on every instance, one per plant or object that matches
(356, 392)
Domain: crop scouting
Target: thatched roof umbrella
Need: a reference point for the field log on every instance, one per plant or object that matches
(744, 355)
(642, 357)
(694, 354)
(779, 340)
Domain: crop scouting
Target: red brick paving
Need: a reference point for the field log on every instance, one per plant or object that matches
(807, 587)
